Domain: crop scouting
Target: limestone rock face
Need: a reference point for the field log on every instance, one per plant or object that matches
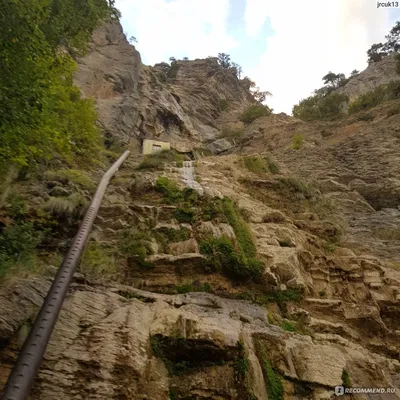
(376, 74)
(110, 74)
(136, 101)
(108, 344)
(166, 316)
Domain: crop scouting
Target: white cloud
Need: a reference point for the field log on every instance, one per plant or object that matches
(192, 28)
(311, 38)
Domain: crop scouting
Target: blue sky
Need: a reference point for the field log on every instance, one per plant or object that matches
(284, 46)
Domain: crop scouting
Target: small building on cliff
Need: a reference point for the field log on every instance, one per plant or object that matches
(154, 146)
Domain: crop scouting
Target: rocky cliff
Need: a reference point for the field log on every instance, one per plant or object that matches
(136, 101)
(376, 74)
(271, 272)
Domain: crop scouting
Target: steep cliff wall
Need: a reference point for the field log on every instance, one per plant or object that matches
(278, 279)
(136, 101)
(376, 74)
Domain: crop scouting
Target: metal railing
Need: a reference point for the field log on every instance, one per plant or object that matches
(27, 365)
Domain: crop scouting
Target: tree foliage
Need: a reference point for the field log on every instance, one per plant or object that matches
(41, 111)
(319, 107)
(224, 60)
(255, 111)
(382, 93)
(379, 50)
(334, 80)
(247, 83)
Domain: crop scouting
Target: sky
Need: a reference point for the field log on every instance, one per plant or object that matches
(285, 46)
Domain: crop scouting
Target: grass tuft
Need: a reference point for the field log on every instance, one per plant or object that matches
(298, 142)
(158, 160)
(98, 262)
(73, 176)
(66, 206)
(255, 164)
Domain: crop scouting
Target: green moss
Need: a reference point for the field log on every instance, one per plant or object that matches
(242, 376)
(212, 209)
(242, 231)
(288, 326)
(223, 256)
(255, 164)
(279, 296)
(185, 215)
(171, 235)
(193, 287)
(135, 246)
(98, 262)
(346, 382)
(173, 194)
(322, 294)
(273, 380)
(271, 319)
(237, 260)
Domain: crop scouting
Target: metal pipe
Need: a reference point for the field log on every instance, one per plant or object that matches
(25, 369)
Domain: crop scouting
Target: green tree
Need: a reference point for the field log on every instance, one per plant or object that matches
(238, 70)
(393, 39)
(224, 60)
(247, 83)
(376, 53)
(334, 80)
(259, 95)
(41, 112)
(380, 50)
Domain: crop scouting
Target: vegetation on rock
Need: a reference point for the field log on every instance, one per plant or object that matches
(42, 112)
(99, 262)
(255, 111)
(135, 246)
(158, 160)
(382, 93)
(17, 247)
(346, 382)
(272, 378)
(327, 105)
(298, 141)
(379, 50)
